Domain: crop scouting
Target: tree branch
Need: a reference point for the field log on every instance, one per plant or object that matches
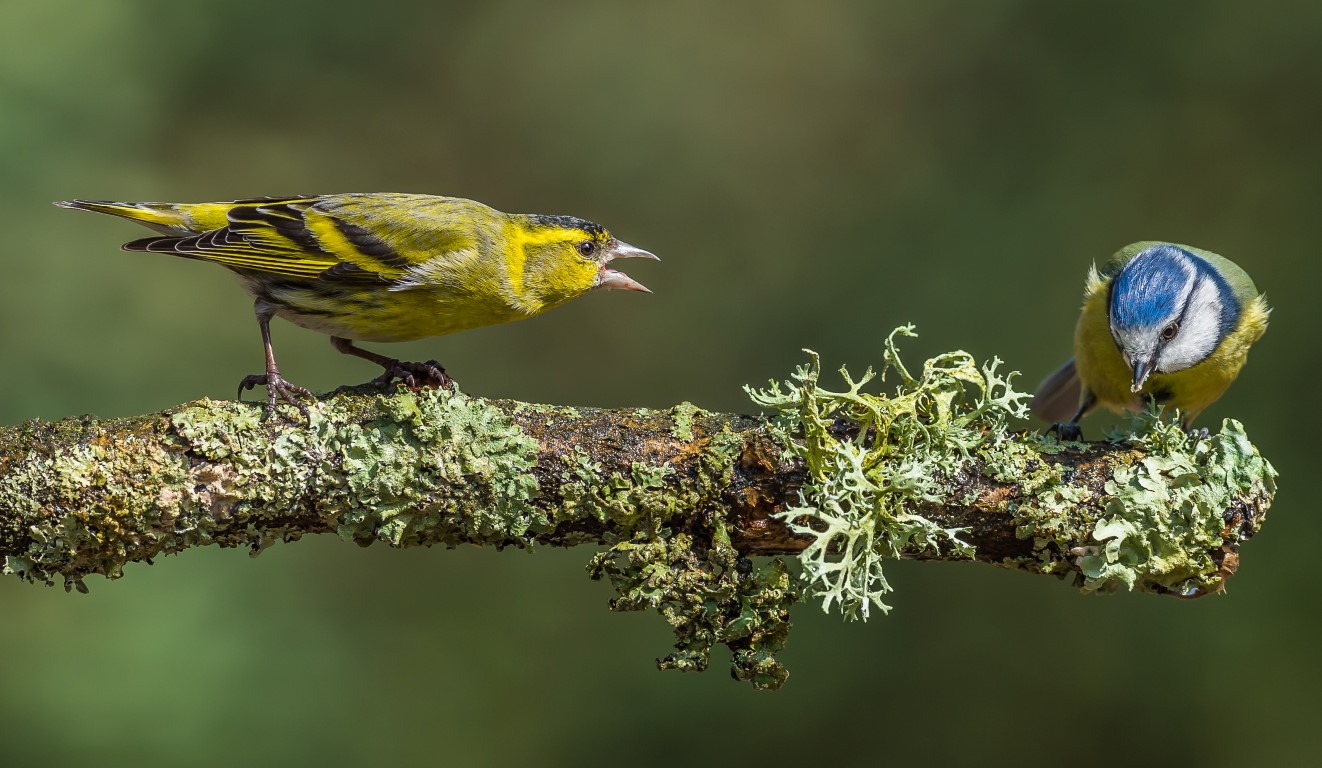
(682, 498)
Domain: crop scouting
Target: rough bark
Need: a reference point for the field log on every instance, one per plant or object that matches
(682, 493)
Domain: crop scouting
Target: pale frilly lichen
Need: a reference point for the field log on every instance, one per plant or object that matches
(872, 459)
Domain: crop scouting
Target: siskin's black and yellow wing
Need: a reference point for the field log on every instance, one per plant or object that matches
(354, 238)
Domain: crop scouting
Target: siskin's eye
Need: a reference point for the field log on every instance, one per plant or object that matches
(1169, 331)
(586, 247)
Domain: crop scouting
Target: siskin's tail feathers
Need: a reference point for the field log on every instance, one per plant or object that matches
(166, 218)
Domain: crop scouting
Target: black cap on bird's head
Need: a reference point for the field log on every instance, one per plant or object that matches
(588, 228)
(1169, 309)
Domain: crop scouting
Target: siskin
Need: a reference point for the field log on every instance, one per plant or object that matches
(383, 267)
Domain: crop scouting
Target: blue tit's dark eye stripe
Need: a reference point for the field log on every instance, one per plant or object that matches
(1229, 304)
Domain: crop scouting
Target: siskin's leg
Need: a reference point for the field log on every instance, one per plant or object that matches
(429, 373)
(276, 385)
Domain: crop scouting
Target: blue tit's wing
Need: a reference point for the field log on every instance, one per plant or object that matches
(1057, 397)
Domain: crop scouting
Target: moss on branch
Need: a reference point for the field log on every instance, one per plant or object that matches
(692, 507)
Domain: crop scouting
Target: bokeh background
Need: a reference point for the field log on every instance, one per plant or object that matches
(812, 174)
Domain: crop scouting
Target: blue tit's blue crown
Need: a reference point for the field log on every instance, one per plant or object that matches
(1148, 289)
(1152, 289)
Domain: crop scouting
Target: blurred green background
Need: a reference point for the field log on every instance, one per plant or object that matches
(812, 175)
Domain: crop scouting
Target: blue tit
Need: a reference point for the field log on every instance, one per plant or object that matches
(1160, 320)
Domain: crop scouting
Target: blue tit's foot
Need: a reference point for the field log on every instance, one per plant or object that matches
(414, 375)
(1202, 433)
(1067, 431)
(277, 388)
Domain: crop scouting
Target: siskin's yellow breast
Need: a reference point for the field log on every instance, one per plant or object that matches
(466, 289)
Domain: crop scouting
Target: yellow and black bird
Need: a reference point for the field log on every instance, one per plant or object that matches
(383, 266)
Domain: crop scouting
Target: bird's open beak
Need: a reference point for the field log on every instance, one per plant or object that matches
(615, 280)
(623, 250)
(1141, 373)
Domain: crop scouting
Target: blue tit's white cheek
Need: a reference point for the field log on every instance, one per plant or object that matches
(1199, 330)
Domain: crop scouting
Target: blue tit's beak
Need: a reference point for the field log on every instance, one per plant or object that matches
(1142, 370)
(615, 280)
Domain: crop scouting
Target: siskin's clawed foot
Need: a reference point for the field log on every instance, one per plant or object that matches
(414, 375)
(277, 388)
(1067, 431)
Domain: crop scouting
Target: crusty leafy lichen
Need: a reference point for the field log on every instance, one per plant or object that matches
(87, 508)
(450, 468)
(874, 459)
(709, 594)
(670, 551)
(683, 415)
(638, 499)
(429, 468)
(1169, 517)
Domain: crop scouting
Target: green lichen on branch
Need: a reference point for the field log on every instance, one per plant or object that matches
(709, 594)
(693, 508)
(420, 469)
(873, 460)
(1173, 519)
(408, 468)
(673, 554)
(1167, 515)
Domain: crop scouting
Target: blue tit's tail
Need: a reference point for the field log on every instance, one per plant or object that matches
(1057, 397)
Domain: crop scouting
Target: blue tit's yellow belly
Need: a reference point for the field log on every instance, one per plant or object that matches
(1104, 373)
